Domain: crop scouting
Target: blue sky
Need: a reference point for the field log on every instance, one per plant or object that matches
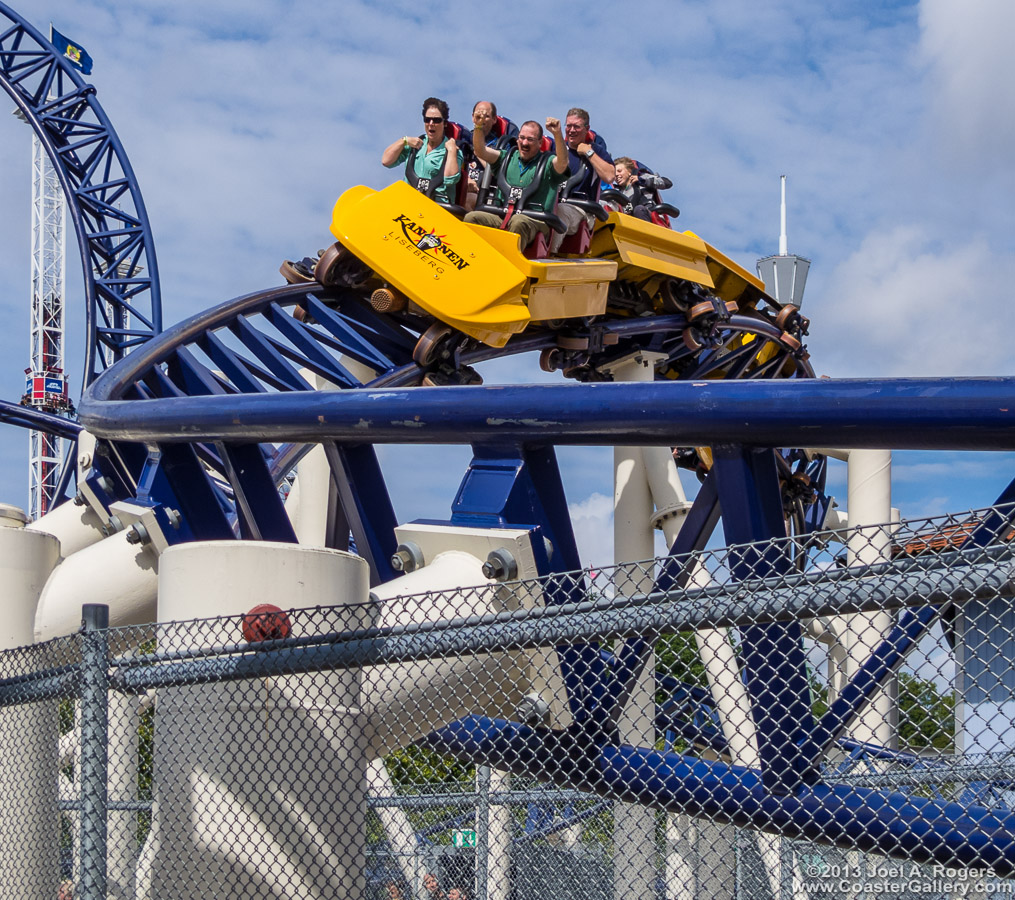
(894, 122)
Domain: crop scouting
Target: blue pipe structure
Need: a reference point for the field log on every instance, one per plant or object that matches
(122, 294)
(38, 420)
(893, 824)
(29, 417)
(185, 400)
(254, 346)
(909, 413)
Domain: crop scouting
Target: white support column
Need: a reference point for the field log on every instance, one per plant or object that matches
(395, 822)
(633, 539)
(76, 527)
(710, 847)
(699, 854)
(114, 572)
(668, 496)
(122, 759)
(122, 786)
(869, 508)
(311, 497)
(260, 788)
(851, 638)
(29, 823)
(498, 862)
(716, 843)
(680, 868)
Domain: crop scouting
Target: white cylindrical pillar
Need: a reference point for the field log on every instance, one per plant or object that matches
(29, 733)
(680, 869)
(260, 786)
(499, 832)
(633, 537)
(634, 842)
(671, 504)
(122, 768)
(853, 637)
(869, 508)
(311, 495)
(716, 843)
(700, 855)
(395, 821)
(309, 501)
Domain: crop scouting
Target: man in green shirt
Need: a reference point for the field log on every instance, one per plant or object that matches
(522, 166)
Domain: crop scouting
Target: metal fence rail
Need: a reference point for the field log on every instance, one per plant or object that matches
(769, 720)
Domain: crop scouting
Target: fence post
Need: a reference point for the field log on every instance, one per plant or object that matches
(482, 831)
(94, 737)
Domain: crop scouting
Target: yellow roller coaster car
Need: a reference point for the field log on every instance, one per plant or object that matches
(477, 280)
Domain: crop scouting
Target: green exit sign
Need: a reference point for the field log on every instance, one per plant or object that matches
(463, 838)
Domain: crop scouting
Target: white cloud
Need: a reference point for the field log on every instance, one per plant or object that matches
(593, 529)
(911, 301)
(968, 49)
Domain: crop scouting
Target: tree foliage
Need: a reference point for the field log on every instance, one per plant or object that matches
(418, 765)
(926, 715)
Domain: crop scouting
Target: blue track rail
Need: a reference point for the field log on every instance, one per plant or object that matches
(255, 348)
(123, 303)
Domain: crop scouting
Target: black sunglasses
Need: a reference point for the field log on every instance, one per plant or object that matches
(433, 120)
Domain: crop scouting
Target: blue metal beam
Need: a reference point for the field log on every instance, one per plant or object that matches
(366, 506)
(904, 413)
(259, 506)
(29, 417)
(853, 818)
(884, 660)
(520, 487)
(772, 655)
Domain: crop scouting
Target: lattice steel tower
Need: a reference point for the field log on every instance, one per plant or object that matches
(46, 381)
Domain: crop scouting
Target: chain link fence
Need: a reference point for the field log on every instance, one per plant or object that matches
(823, 716)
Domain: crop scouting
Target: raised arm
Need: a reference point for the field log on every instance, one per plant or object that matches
(606, 171)
(560, 157)
(451, 166)
(489, 155)
(389, 158)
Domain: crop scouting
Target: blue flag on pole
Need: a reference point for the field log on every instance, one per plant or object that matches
(74, 52)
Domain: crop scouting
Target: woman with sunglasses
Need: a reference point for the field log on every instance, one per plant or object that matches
(436, 160)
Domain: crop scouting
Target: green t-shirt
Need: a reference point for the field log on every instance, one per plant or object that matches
(430, 163)
(519, 174)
